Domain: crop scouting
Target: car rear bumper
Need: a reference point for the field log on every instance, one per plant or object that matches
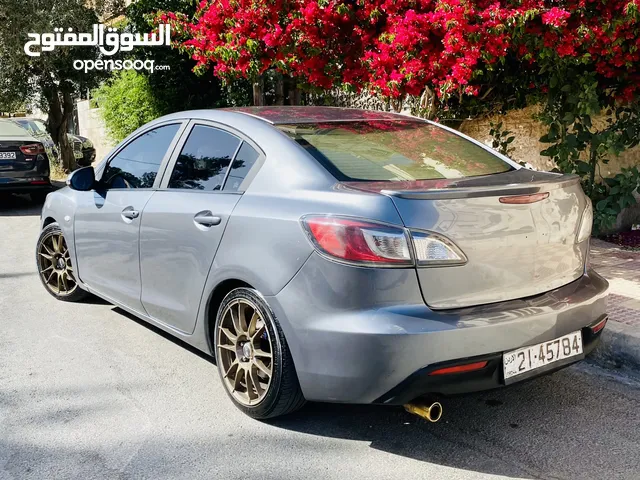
(365, 335)
(24, 184)
(490, 377)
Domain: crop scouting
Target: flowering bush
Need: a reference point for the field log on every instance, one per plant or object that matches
(399, 47)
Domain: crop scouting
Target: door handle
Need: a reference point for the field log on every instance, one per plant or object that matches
(207, 219)
(130, 213)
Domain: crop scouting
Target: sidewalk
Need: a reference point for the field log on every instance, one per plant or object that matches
(621, 337)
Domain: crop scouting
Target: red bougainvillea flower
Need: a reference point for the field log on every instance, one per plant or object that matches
(400, 47)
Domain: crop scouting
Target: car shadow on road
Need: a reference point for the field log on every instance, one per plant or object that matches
(525, 431)
(164, 334)
(544, 428)
(18, 206)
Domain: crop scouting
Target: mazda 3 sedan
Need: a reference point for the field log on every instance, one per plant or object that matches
(333, 255)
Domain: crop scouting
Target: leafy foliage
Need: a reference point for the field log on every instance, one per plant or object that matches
(126, 103)
(455, 48)
(50, 77)
(612, 196)
(502, 139)
(178, 88)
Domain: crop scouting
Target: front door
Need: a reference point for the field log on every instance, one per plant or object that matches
(107, 220)
(183, 223)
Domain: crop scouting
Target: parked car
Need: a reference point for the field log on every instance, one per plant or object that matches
(38, 129)
(332, 254)
(83, 150)
(24, 165)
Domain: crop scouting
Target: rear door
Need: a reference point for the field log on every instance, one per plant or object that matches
(183, 222)
(107, 220)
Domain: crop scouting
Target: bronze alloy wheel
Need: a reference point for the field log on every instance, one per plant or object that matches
(245, 352)
(54, 264)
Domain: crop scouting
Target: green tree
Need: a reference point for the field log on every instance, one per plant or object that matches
(50, 79)
(179, 88)
(126, 103)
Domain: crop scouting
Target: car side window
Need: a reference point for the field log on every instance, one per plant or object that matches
(246, 158)
(137, 164)
(204, 159)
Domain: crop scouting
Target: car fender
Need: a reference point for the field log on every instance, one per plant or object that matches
(60, 207)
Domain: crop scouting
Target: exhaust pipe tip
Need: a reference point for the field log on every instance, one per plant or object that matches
(432, 412)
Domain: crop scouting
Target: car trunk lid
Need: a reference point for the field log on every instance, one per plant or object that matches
(513, 250)
(11, 157)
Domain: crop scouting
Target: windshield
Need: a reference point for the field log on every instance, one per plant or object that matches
(393, 151)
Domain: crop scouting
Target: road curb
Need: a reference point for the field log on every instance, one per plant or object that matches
(619, 345)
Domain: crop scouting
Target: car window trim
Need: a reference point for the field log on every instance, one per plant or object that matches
(230, 167)
(164, 184)
(167, 155)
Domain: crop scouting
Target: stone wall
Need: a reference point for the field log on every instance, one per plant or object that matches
(527, 145)
(90, 125)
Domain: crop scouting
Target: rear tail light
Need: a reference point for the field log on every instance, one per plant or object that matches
(435, 250)
(586, 222)
(372, 243)
(32, 149)
(524, 199)
(359, 241)
(599, 325)
(469, 367)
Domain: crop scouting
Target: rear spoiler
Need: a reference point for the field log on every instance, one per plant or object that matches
(518, 182)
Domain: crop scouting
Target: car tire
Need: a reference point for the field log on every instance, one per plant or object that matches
(276, 395)
(54, 265)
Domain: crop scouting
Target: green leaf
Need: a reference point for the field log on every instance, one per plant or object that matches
(583, 167)
(602, 205)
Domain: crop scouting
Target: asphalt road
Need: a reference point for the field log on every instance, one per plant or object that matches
(88, 392)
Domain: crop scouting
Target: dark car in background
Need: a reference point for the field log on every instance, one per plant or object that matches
(83, 149)
(24, 163)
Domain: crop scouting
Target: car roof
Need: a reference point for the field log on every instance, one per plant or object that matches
(278, 115)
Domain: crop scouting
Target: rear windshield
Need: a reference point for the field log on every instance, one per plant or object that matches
(8, 129)
(393, 150)
(33, 126)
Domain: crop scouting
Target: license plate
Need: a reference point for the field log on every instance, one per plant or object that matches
(530, 358)
(7, 155)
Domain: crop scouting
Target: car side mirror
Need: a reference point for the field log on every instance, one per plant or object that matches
(83, 179)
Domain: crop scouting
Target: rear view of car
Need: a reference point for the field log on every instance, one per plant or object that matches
(24, 164)
(338, 255)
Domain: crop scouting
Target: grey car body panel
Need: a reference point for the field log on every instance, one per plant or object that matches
(354, 332)
(176, 252)
(106, 245)
(513, 251)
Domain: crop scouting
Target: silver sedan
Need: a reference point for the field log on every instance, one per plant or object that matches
(332, 255)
